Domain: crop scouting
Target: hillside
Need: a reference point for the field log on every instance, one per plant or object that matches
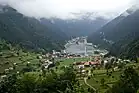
(119, 33)
(28, 32)
(131, 50)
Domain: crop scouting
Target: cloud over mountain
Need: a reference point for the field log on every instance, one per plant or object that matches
(65, 8)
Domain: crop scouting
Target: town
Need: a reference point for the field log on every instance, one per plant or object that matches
(93, 66)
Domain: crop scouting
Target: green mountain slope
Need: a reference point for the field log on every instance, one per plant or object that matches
(131, 50)
(28, 32)
(118, 34)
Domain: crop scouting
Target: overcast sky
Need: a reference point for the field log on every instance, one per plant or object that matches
(64, 8)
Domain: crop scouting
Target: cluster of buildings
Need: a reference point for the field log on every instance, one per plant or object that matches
(79, 46)
(91, 63)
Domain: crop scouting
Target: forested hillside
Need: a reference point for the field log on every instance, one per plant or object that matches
(131, 50)
(118, 34)
(28, 32)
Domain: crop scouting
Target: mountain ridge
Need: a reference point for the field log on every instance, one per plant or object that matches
(76, 27)
(26, 31)
(122, 31)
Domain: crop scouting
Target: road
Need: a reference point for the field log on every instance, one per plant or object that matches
(85, 81)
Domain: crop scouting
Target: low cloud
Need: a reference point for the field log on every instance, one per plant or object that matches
(65, 9)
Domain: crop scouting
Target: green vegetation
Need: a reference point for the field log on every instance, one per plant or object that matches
(131, 50)
(102, 81)
(22, 71)
(50, 82)
(9, 55)
(63, 78)
(120, 36)
(128, 82)
(29, 32)
(67, 81)
(66, 62)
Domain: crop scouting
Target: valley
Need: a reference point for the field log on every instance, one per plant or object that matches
(87, 54)
(94, 71)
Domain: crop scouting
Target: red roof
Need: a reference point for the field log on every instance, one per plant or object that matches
(87, 63)
(94, 63)
(91, 63)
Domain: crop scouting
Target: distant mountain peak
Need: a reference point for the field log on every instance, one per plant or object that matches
(75, 27)
(52, 21)
(125, 14)
(134, 7)
(6, 8)
(130, 11)
(85, 15)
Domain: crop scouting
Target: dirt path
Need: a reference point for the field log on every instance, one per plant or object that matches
(85, 81)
